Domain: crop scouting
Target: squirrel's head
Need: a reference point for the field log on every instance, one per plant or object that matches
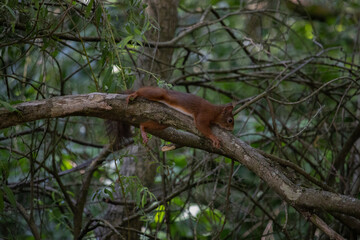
(226, 118)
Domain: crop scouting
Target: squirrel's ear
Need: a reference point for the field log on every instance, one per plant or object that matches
(229, 107)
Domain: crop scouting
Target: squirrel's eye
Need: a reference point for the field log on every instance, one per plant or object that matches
(230, 120)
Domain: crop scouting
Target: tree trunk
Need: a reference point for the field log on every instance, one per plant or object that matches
(163, 15)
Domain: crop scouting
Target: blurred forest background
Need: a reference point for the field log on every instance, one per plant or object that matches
(292, 66)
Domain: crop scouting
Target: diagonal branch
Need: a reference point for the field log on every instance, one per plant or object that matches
(30, 221)
(82, 196)
(113, 106)
(339, 161)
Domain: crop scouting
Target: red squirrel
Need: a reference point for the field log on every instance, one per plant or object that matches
(204, 113)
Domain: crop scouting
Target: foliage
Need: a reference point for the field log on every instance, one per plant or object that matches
(303, 63)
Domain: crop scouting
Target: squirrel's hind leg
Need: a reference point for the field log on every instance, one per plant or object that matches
(152, 126)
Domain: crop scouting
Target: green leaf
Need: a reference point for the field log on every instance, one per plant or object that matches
(109, 193)
(137, 31)
(95, 195)
(4, 165)
(10, 195)
(53, 196)
(11, 11)
(98, 14)
(128, 29)
(8, 106)
(108, 78)
(143, 200)
(24, 164)
(70, 193)
(66, 165)
(160, 213)
(139, 42)
(88, 8)
(54, 53)
(125, 41)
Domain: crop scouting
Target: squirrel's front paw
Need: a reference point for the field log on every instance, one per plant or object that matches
(215, 142)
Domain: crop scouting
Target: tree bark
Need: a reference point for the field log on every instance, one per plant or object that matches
(113, 106)
(163, 15)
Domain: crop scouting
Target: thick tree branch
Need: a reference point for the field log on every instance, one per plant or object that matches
(113, 106)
